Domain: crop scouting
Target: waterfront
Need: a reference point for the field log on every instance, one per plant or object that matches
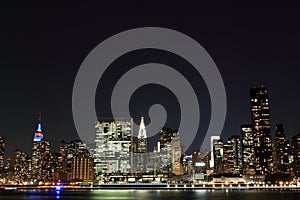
(152, 194)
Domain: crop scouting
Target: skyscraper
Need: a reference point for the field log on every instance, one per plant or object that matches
(213, 140)
(260, 116)
(114, 139)
(18, 167)
(168, 148)
(142, 137)
(82, 168)
(296, 153)
(228, 158)
(235, 142)
(40, 148)
(165, 136)
(2, 153)
(282, 151)
(218, 156)
(176, 155)
(248, 155)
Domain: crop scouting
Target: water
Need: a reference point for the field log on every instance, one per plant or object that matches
(152, 194)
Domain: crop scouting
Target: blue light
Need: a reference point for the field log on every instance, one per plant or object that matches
(188, 156)
(57, 190)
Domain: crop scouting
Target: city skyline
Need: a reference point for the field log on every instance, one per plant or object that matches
(249, 157)
(39, 133)
(138, 100)
(43, 49)
(258, 98)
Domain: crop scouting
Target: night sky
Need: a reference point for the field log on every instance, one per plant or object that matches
(43, 46)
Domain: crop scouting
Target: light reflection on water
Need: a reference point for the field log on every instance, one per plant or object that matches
(153, 194)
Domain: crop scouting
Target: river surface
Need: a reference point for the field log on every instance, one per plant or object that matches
(152, 194)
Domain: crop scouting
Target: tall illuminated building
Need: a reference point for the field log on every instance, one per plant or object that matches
(176, 156)
(167, 150)
(165, 136)
(114, 139)
(218, 156)
(18, 167)
(232, 155)
(40, 148)
(142, 137)
(260, 115)
(282, 151)
(228, 158)
(82, 168)
(296, 154)
(213, 140)
(235, 141)
(248, 155)
(2, 153)
(140, 158)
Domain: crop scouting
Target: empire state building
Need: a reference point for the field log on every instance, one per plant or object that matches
(40, 148)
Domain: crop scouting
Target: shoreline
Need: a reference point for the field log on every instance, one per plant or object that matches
(149, 187)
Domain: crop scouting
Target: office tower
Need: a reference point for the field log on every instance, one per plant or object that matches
(59, 167)
(2, 153)
(228, 158)
(235, 142)
(199, 165)
(114, 141)
(166, 135)
(218, 156)
(62, 147)
(213, 140)
(68, 152)
(248, 155)
(29, 168)
(40, 148)
(73, 149)
(176, 155)
(140, 158)
(282, 151)
(62, 161)
(261, 128)
(18, 167)
(82, 168)
(232, 155)
(142, 137)
(206, 160)
(166, 158)
(296, 154)
(60, 172)
(168, 151)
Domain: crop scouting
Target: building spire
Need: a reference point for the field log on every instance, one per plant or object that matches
(142, 137)
(39, 135)
(142, 129)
